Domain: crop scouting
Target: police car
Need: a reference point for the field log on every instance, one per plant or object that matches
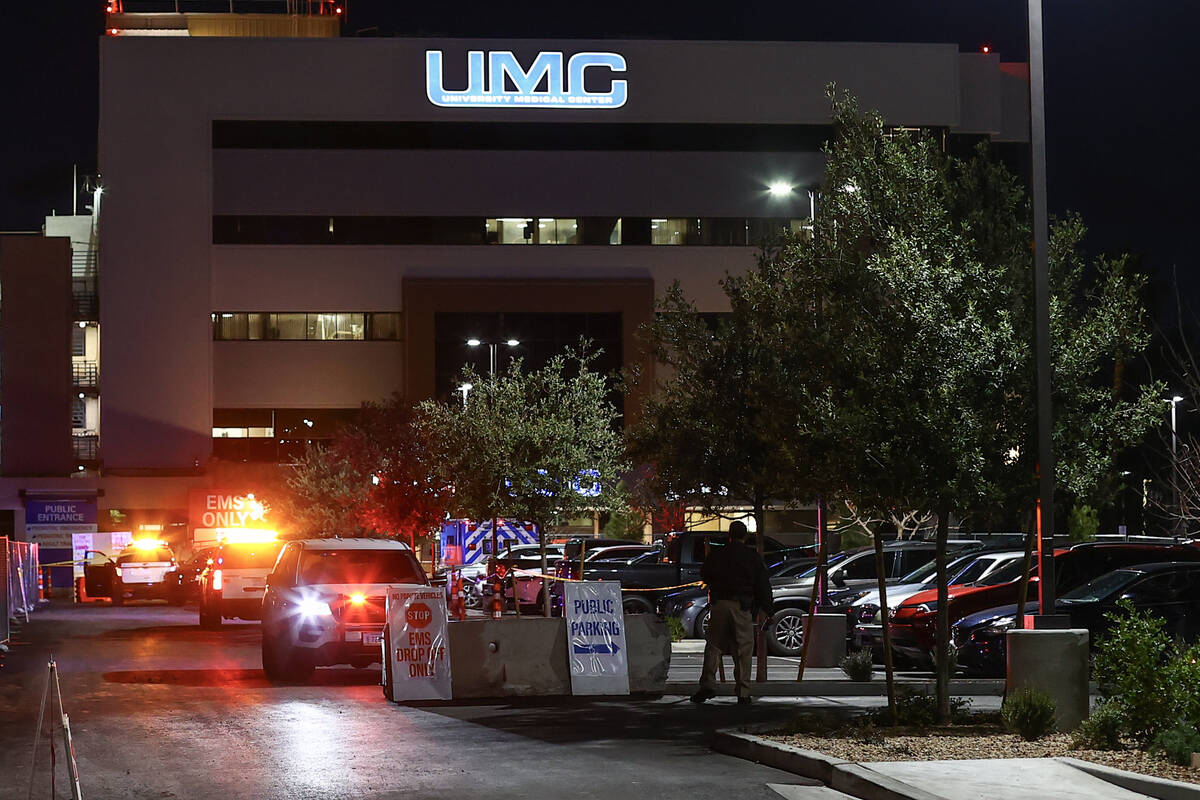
(325, 602)
(146, 570)
(234, 580)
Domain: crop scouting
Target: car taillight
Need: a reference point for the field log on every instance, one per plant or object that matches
(118, 569)
(217, 581)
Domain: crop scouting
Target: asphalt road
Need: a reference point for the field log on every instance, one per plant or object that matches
(160, 709)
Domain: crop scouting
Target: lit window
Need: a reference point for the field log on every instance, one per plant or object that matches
(334, 327)
(510, 230)
(551, 230)
(669, 231)
(243, 433)
(78, 413)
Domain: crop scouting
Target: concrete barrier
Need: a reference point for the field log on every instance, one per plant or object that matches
(827, 640)
(1056, 662)
(527, 657)
(649, 642)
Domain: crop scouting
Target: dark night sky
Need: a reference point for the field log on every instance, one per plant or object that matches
(1121, 94)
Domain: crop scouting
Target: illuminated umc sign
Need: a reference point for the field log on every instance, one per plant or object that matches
(486, 84)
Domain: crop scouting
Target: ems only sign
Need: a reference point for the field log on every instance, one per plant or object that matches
(417, 647)
(596, 638)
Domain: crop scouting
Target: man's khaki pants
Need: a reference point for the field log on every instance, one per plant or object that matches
(730, 630)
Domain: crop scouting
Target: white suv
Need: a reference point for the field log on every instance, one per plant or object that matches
(232, 584)
(325, 602)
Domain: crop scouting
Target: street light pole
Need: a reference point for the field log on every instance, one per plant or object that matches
(1174, 401)
(1041, 291)
(492, 347)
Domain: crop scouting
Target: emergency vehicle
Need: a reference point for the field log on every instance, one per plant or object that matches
(464, 542)
(145, 570)
(234, 580)
(325, 603)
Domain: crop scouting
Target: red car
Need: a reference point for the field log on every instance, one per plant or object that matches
(914, 624)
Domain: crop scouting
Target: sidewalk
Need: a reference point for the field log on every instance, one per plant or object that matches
(687, 659)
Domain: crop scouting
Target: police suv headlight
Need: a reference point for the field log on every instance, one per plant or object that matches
(309, 607)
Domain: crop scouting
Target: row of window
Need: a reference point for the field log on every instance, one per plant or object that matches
(596, 231)
(321, 327)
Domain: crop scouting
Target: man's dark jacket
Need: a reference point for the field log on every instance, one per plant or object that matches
(735, 571)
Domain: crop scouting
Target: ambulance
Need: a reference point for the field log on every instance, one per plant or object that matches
(234, 579)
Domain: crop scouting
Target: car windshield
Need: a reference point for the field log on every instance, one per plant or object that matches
(144, 556)
(1009, 572)
(926, 571)
(359, 566)
(250, 556)
(1101, 587)
(651, 557)
(833, 559)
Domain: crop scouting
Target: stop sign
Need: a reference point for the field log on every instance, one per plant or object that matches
(418, 615)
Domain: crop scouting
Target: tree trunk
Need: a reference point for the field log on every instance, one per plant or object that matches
(545, 572)
(942, 637)
(760, 636)
(889, 674)
(1023, 590)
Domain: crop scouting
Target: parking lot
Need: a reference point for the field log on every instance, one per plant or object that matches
(161, 708)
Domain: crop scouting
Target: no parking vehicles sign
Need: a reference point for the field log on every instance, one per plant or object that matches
(417, 661)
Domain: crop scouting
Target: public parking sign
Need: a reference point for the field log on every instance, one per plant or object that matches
(417, 657)
(596, 638)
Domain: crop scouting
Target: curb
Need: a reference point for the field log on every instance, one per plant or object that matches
(843, 776)
(865, 783)
(973, 687)
(1160, 788)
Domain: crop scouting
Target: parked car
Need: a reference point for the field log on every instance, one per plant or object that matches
(1169, 590)
(325, 603)
(682, 555)
(145, 570)
(234, 581)
(691, 605)
(978, 568)
(914, 623)
(851, 574)
(525, 556)
(189, 571)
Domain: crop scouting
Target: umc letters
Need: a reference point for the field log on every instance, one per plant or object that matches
(564, 89)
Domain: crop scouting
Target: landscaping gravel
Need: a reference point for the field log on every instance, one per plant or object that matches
(962, 742)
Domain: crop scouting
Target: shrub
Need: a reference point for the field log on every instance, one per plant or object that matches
(1029, 712)
(1137, 666)
(1102, 730)
(858, 666)
(675, 627)
(1178, 743)
(919, 710)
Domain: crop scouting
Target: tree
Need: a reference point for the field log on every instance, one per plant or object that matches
(541, 446)
(907, 315)
(377, 475)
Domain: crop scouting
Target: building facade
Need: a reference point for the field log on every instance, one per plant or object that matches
(291, 226)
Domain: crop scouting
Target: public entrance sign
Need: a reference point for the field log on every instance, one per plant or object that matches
(596, 638)
(417, 646)
(51, 521)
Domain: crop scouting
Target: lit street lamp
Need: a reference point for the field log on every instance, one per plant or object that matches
(492, 346)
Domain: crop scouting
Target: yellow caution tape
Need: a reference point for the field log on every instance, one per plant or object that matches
(623, 589)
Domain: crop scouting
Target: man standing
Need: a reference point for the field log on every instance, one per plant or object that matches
(738, 588)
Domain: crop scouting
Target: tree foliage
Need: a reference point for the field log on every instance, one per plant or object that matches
(540, 445)
(378, 475)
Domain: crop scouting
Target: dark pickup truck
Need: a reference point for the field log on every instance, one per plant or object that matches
(683, 554)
